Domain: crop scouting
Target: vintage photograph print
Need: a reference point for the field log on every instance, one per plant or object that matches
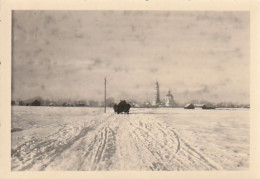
(130, 90)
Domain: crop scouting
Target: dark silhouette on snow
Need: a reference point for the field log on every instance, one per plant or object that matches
(123, 106)
(207, 107)
(189, 106)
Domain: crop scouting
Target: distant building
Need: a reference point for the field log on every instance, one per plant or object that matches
(67, 104)
(156, 101)
(80, 103)
(169, 101)
(207, 107)
(247, 106)
(12, 102)
(51, 104)
(30, 103)
(36, 103)
(189, 106)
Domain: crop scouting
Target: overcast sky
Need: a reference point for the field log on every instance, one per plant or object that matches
(67, 54)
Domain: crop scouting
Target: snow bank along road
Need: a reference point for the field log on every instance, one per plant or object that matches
(111, 142)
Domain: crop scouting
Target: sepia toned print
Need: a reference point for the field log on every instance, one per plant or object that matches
(130, 90)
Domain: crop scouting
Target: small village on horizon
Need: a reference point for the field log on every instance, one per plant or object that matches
(167, 102)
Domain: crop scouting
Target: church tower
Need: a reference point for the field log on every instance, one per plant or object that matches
(169, 101)
(156, 100)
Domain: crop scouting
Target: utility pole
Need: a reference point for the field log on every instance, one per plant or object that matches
(105, 96)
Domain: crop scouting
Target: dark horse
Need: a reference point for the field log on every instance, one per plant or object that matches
(123, 106)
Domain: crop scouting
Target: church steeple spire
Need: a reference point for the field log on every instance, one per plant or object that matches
(156, 94)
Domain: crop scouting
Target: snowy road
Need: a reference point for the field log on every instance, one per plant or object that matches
(147, 139)
(116, 142)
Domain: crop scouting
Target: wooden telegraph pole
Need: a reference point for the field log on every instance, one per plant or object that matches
(105, 96)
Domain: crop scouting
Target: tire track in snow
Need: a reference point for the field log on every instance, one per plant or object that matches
(38, 154)
(158, 152)
(103, 144)
(102, 147)
(193, 154)
(177, 154)
(105, 150)
(44, 150)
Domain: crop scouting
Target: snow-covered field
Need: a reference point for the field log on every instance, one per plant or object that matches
(74, 138)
